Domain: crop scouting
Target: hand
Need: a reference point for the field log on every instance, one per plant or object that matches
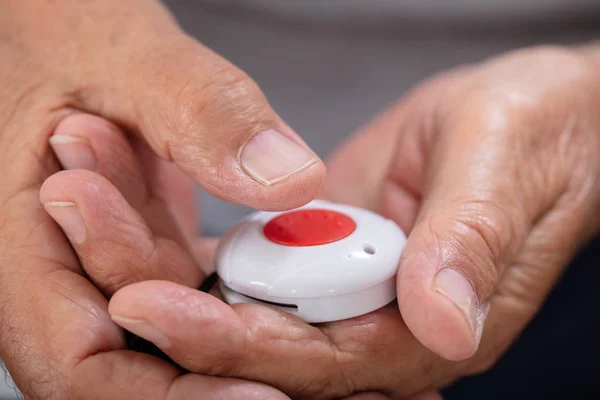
(494, 171)
(122, 194)
(127, 61)
(75, 330)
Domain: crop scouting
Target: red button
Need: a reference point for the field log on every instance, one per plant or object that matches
(310, 227)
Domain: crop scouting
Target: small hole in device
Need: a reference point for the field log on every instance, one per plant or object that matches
(369, 249)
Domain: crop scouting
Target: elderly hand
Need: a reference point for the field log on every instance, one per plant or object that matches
(493, 169)
(122, 238)
(103, 210)
(129, 62)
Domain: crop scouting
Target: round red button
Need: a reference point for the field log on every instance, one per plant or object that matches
(310, 227)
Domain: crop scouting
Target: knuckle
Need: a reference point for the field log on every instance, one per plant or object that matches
(228, 96)
(507, 94)
(571, 60)
(321, 351)
(502, 112)
(111, 279)
(487, 224)
(339, 384)
(533, 87)
(483, 237)
(505, 105)
(117, 260)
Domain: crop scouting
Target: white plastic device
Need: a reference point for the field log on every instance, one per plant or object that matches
(322, 262)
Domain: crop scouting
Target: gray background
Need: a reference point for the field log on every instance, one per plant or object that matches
(328, 66)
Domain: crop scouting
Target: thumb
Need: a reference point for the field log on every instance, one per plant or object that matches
(196, 109)
(477, 210)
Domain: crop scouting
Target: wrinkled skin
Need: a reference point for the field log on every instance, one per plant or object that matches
(491, 168)
(182, 105)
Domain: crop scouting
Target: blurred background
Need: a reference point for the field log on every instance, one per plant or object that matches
(328, 66)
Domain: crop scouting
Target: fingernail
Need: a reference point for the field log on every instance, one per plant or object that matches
(144, 330)
(271, 157)
(73, 152)
(456, 288)
(68, 217)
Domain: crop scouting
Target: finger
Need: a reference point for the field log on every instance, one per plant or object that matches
(205, 115)
(476, 213)
(367, 396)
(114, 244)
(156, 189)
(142, 377)
(357, 170)
(86, 141)
(551, 245)
(58, 340)
(172, 190)
(204, 253)
(105, 371)
(253, 342)
(382, 167)
(426, 395)
(212, 388)
(201, 333)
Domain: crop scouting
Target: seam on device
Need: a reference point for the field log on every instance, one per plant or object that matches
(293, 306)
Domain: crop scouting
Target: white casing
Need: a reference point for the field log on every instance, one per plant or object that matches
(326, 282)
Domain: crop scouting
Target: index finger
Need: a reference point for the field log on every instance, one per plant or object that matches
(56, 336)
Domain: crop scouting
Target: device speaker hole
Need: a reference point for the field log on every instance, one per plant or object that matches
(369, 249)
